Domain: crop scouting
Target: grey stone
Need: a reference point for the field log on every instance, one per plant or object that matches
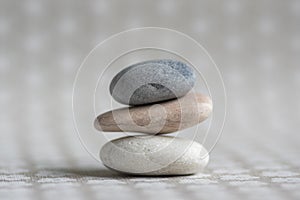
(152, 81)
(154, 155)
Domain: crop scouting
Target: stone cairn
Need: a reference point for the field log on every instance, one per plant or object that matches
(161, 101)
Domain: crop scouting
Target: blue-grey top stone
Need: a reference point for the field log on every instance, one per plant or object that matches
(152, 81)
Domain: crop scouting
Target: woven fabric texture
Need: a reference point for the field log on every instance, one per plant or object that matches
(256, 45)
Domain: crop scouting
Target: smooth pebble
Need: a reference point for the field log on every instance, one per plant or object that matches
(166, 117)
(154, 155)
(152, 81)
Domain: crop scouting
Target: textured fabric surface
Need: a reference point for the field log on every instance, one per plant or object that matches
(256, 45)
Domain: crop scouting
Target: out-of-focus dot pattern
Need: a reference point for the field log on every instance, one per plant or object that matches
(256, 45)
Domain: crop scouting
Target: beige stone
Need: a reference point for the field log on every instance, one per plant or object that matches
(165, 117)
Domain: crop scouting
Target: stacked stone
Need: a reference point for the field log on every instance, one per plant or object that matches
(161, 99)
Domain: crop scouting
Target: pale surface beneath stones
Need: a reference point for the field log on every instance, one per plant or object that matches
(154, 155)
(166, 117)
(152, 81)
(43, 41)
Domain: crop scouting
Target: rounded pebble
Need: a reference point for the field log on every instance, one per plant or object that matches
(152, 81)
(154, 155)
(166, 117)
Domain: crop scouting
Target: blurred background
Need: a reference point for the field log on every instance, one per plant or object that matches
(256, 45)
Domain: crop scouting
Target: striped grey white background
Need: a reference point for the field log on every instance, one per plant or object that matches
(256, 45)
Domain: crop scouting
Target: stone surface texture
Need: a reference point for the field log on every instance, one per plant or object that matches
(154, 155)
(152, 81)
(166, 117)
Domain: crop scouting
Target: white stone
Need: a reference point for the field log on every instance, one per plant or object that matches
(154, 155)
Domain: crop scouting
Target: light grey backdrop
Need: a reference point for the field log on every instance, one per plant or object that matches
(256, 45)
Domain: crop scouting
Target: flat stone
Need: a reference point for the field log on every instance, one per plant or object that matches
(165, 117)
(152, 81)
(154, 155)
